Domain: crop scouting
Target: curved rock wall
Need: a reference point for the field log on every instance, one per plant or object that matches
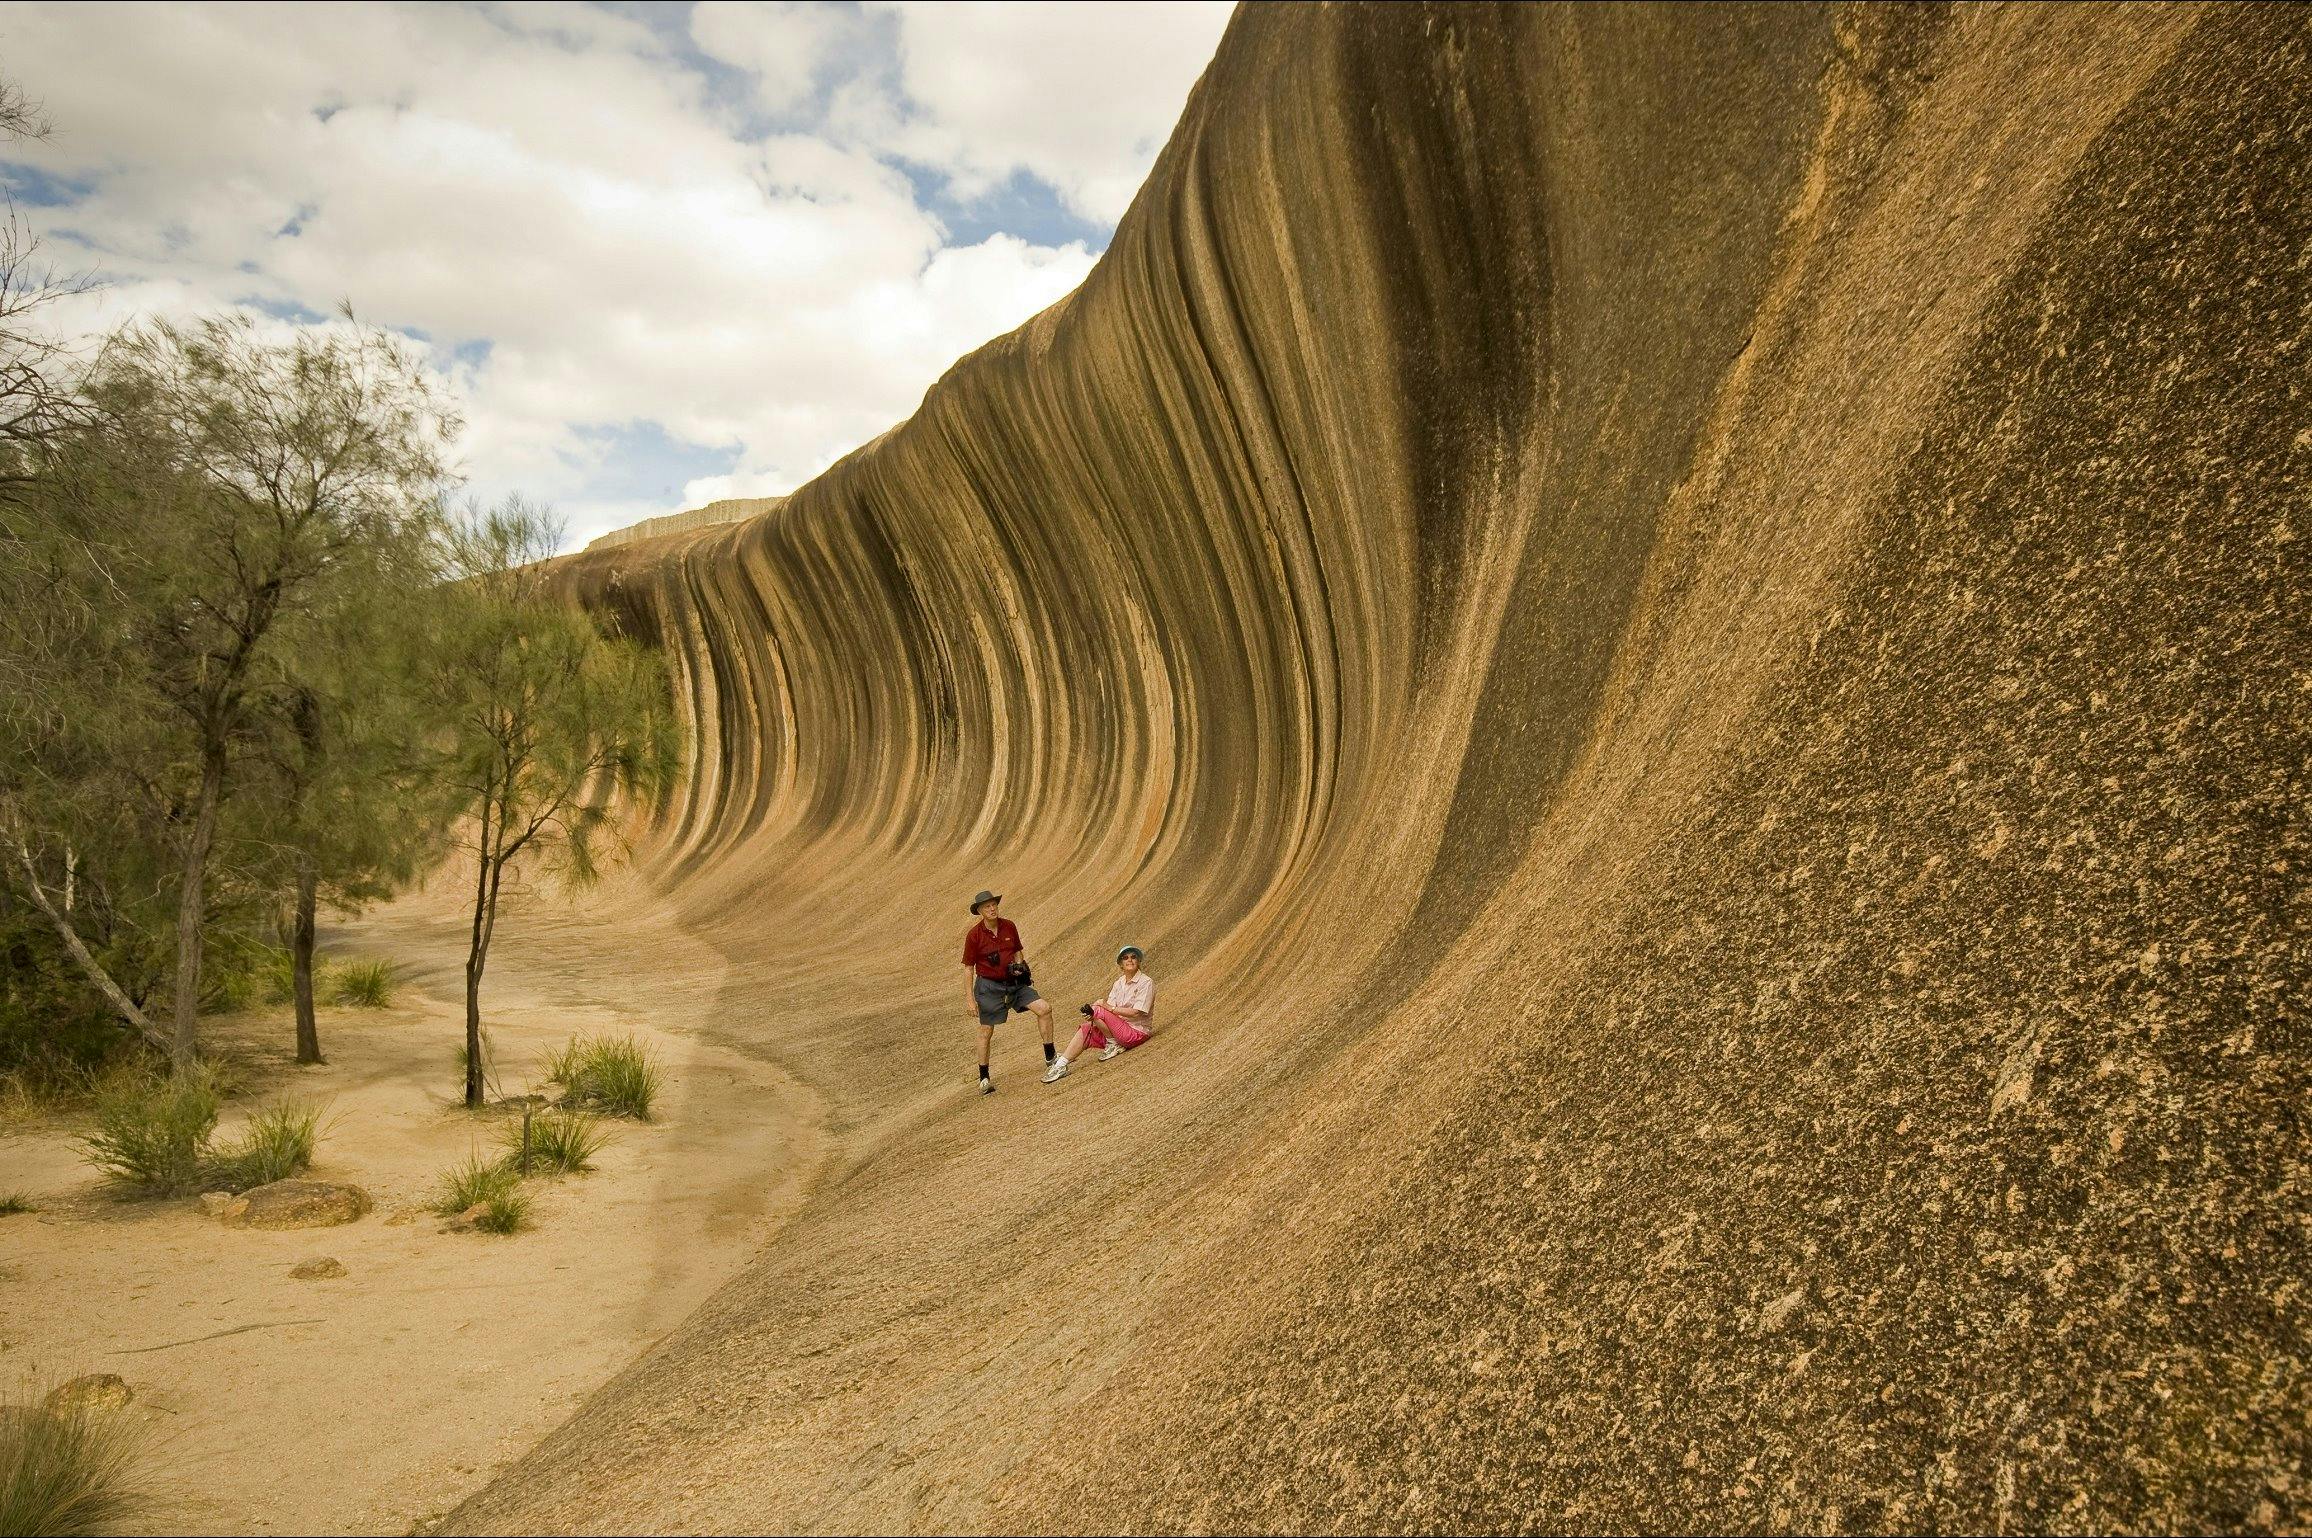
(1682, 632)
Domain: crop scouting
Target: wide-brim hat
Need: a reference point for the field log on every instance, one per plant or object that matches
(983, 899)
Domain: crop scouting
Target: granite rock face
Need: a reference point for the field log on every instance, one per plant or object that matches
(1685, 635)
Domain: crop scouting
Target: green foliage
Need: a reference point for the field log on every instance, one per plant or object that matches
(554, 720)
(67, 1469)
(560, 1142)
(153, 1133)
(365, 984)
(615, 1075)
(15, 1202)
(56, 1032)
(277, 1143)
(240, 971)
(491, 1184)
(277, 981)
(196, 560)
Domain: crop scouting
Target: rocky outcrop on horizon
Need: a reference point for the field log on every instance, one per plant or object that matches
(1683, 634)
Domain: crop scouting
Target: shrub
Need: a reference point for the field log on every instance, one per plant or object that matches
(617, 1076)
(491, 1184)
(67, 1468)
(10, 1205)
(560, 1142)
(365, 984)
(277, 1144)
(152, 1133)
(239, 971)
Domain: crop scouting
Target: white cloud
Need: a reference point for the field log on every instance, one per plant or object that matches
(552, 181)
(1080, 96)
(785, 46)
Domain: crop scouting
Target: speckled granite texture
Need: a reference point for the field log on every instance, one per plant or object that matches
(1684, 634)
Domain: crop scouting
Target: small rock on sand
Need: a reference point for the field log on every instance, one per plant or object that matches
(467, 1219)
(215, 1204)
(320, 1268)
(296, 1204)
(96, 1391)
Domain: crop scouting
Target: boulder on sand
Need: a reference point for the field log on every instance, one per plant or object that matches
(95, 1391)
(295, 1204)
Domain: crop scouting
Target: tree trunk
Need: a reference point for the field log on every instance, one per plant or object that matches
(96, 974)
(477, 951)
(301, 961)
(189, 896)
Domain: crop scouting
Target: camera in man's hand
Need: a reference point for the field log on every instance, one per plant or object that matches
(1018, 975)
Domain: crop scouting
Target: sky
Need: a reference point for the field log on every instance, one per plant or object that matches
(660, 253)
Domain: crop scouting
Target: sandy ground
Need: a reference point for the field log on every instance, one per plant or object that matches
(369, 1403)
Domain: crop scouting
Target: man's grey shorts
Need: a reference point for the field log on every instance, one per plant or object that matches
(997, 1001)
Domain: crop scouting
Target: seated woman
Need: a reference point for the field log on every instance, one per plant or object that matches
(1118, 1025)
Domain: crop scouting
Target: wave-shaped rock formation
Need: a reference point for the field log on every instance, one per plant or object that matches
(1683, 632)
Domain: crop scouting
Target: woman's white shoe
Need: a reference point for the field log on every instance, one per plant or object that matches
(1111, 1050)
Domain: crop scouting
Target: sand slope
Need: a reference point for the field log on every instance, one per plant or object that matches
(364, 1403)
(1682, 634)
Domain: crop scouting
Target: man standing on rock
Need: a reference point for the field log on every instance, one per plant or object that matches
(1000, 980)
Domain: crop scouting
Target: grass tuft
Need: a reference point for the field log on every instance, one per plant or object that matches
(153, 1133)
(277, 1144)
(49, 1085)
(13, 1203)
(491, 1184)
(67, 1469)
(564, 1063)
(363, 984)
(617, 1076)
(560, 1142)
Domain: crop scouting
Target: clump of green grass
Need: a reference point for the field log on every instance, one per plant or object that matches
(67, 1469)
(491, 1184)
(556, 1143)
(277, 1144)
(13, 1203)
(153, 1133)
(617, 1076)
(364, 984)
(564, 1063)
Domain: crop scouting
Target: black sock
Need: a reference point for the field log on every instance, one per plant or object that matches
(1048, 1053)
(983, 1070)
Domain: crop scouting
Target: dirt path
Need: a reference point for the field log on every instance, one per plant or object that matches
(368, 1403)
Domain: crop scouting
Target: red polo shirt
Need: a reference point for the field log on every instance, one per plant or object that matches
(991, 954)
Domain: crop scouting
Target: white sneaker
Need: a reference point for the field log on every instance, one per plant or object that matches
(987, 1086)
(1057, 1072)
(1111, 1050)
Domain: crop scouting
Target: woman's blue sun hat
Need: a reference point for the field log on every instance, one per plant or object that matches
(1131, 950)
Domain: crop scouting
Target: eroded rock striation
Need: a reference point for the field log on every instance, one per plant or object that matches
(1683, 633)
